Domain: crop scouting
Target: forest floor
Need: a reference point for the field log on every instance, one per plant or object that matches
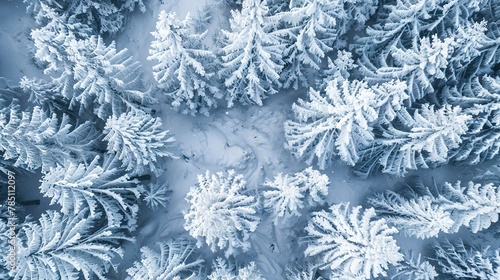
(249, 139)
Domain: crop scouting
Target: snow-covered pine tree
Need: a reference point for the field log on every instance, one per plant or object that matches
(139, 141)
(420, 66)
(185, 69)
(35, 140)
(352, 242)
(46, 95)
(337, 69)
(445, 209)
(105, 79)
(176, 259)
(415, 268)
(66, 247)
(287, 194)
(251, 55)
(341, 121)
(104, 16)
(474, 206)
(99, 187)
(399, 22)
(399, 44)
(481, 99)
(419, 141)
(420, 216)
(477, 51)
(222, 269)
(462, 261)
(219, 214)
(311, 28)
(83, 70)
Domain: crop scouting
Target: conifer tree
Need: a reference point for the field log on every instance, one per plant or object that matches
(251, 56)
(185, 69)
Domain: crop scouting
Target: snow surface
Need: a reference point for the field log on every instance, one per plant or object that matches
(248, 139)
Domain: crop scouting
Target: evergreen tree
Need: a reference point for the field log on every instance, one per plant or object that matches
(287, 194)
(219, 213)
(425, 139)
(105, 79)
(420, 217)
(66, 247)
(35, 140)
(341, 121)
(480, 98)
(175, 260)
(86, 74)
(185, 69)
(413, 267)
(102, 16)
(352, 242)
(420, 66)
(445, 209)
(251, 56)
(138, 140)
(98, 187)
(463, 261)
(311, 29)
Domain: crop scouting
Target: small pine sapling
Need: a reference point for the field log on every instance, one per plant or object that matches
(221, 269)
(287, 194)
(157, 195)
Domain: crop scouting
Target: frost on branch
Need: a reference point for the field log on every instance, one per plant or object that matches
(352, 242)
(98, 187)
(462, 261)
(185, 69)
(66, 247)
(340, 122)
(176, 259)
(287, 194)
(420, 217)
(219, 213)
(481, 99)
(35, 139)
(139, 141)
(474, 205)
(251, 55)
(413, 267)
(445, 209)
(410, 142)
